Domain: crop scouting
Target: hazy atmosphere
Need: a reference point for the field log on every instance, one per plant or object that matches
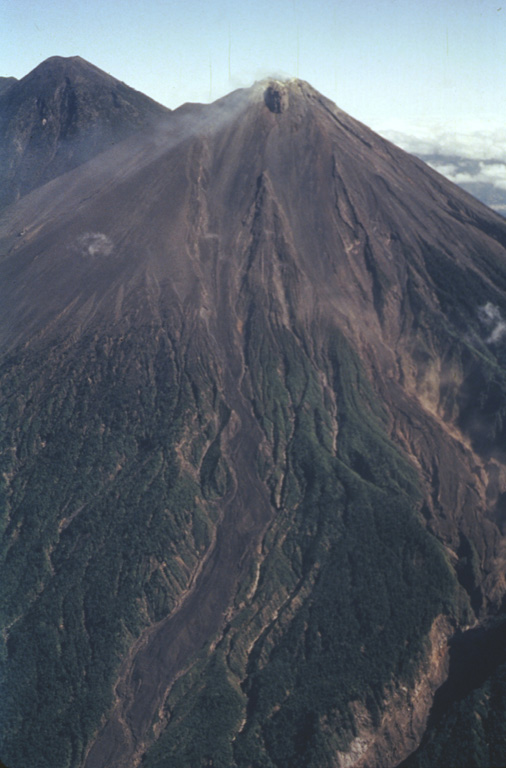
(394, 64)
(426, 75)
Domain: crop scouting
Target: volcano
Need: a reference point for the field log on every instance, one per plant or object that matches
(254, 415)
(60, 115)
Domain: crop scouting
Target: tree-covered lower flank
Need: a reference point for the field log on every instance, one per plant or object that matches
(112, 480)
(346, 592)
(102, 527)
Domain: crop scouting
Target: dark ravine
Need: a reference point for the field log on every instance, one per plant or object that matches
(253, 400)
(476, 657)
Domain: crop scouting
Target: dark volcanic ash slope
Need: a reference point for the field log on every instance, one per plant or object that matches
(6, 82)
(254, 398)
(60, 115)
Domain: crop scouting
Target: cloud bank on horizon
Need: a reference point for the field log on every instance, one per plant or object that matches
(474, 158)
(419, 73)
(479, 140)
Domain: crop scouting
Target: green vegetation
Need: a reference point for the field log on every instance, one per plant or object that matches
(202, 721)
(348, 569)
(379, 581)
(102, 529)
(113, 466)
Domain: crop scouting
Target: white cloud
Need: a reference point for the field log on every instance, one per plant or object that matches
(494, 173)
(447, 169)
(486, 173)
(476, 141)
(491, 317)
(475, 154)
(93, 244)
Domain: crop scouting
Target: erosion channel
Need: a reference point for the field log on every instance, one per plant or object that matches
(164, 650)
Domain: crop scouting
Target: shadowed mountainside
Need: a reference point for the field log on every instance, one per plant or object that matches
(6, 82)
(254, 405)
(60, 115)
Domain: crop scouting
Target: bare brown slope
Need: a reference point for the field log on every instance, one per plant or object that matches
(356, 210)
(284, 205)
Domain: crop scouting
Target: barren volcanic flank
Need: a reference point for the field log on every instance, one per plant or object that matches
(253, 402)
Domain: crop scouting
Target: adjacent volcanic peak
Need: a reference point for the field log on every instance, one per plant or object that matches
(60, 115)
(253, 452)
(6, 82)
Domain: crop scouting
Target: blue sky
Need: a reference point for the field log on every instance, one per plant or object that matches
(394, 64)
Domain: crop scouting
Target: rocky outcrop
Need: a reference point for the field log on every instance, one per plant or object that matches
(276, 98)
